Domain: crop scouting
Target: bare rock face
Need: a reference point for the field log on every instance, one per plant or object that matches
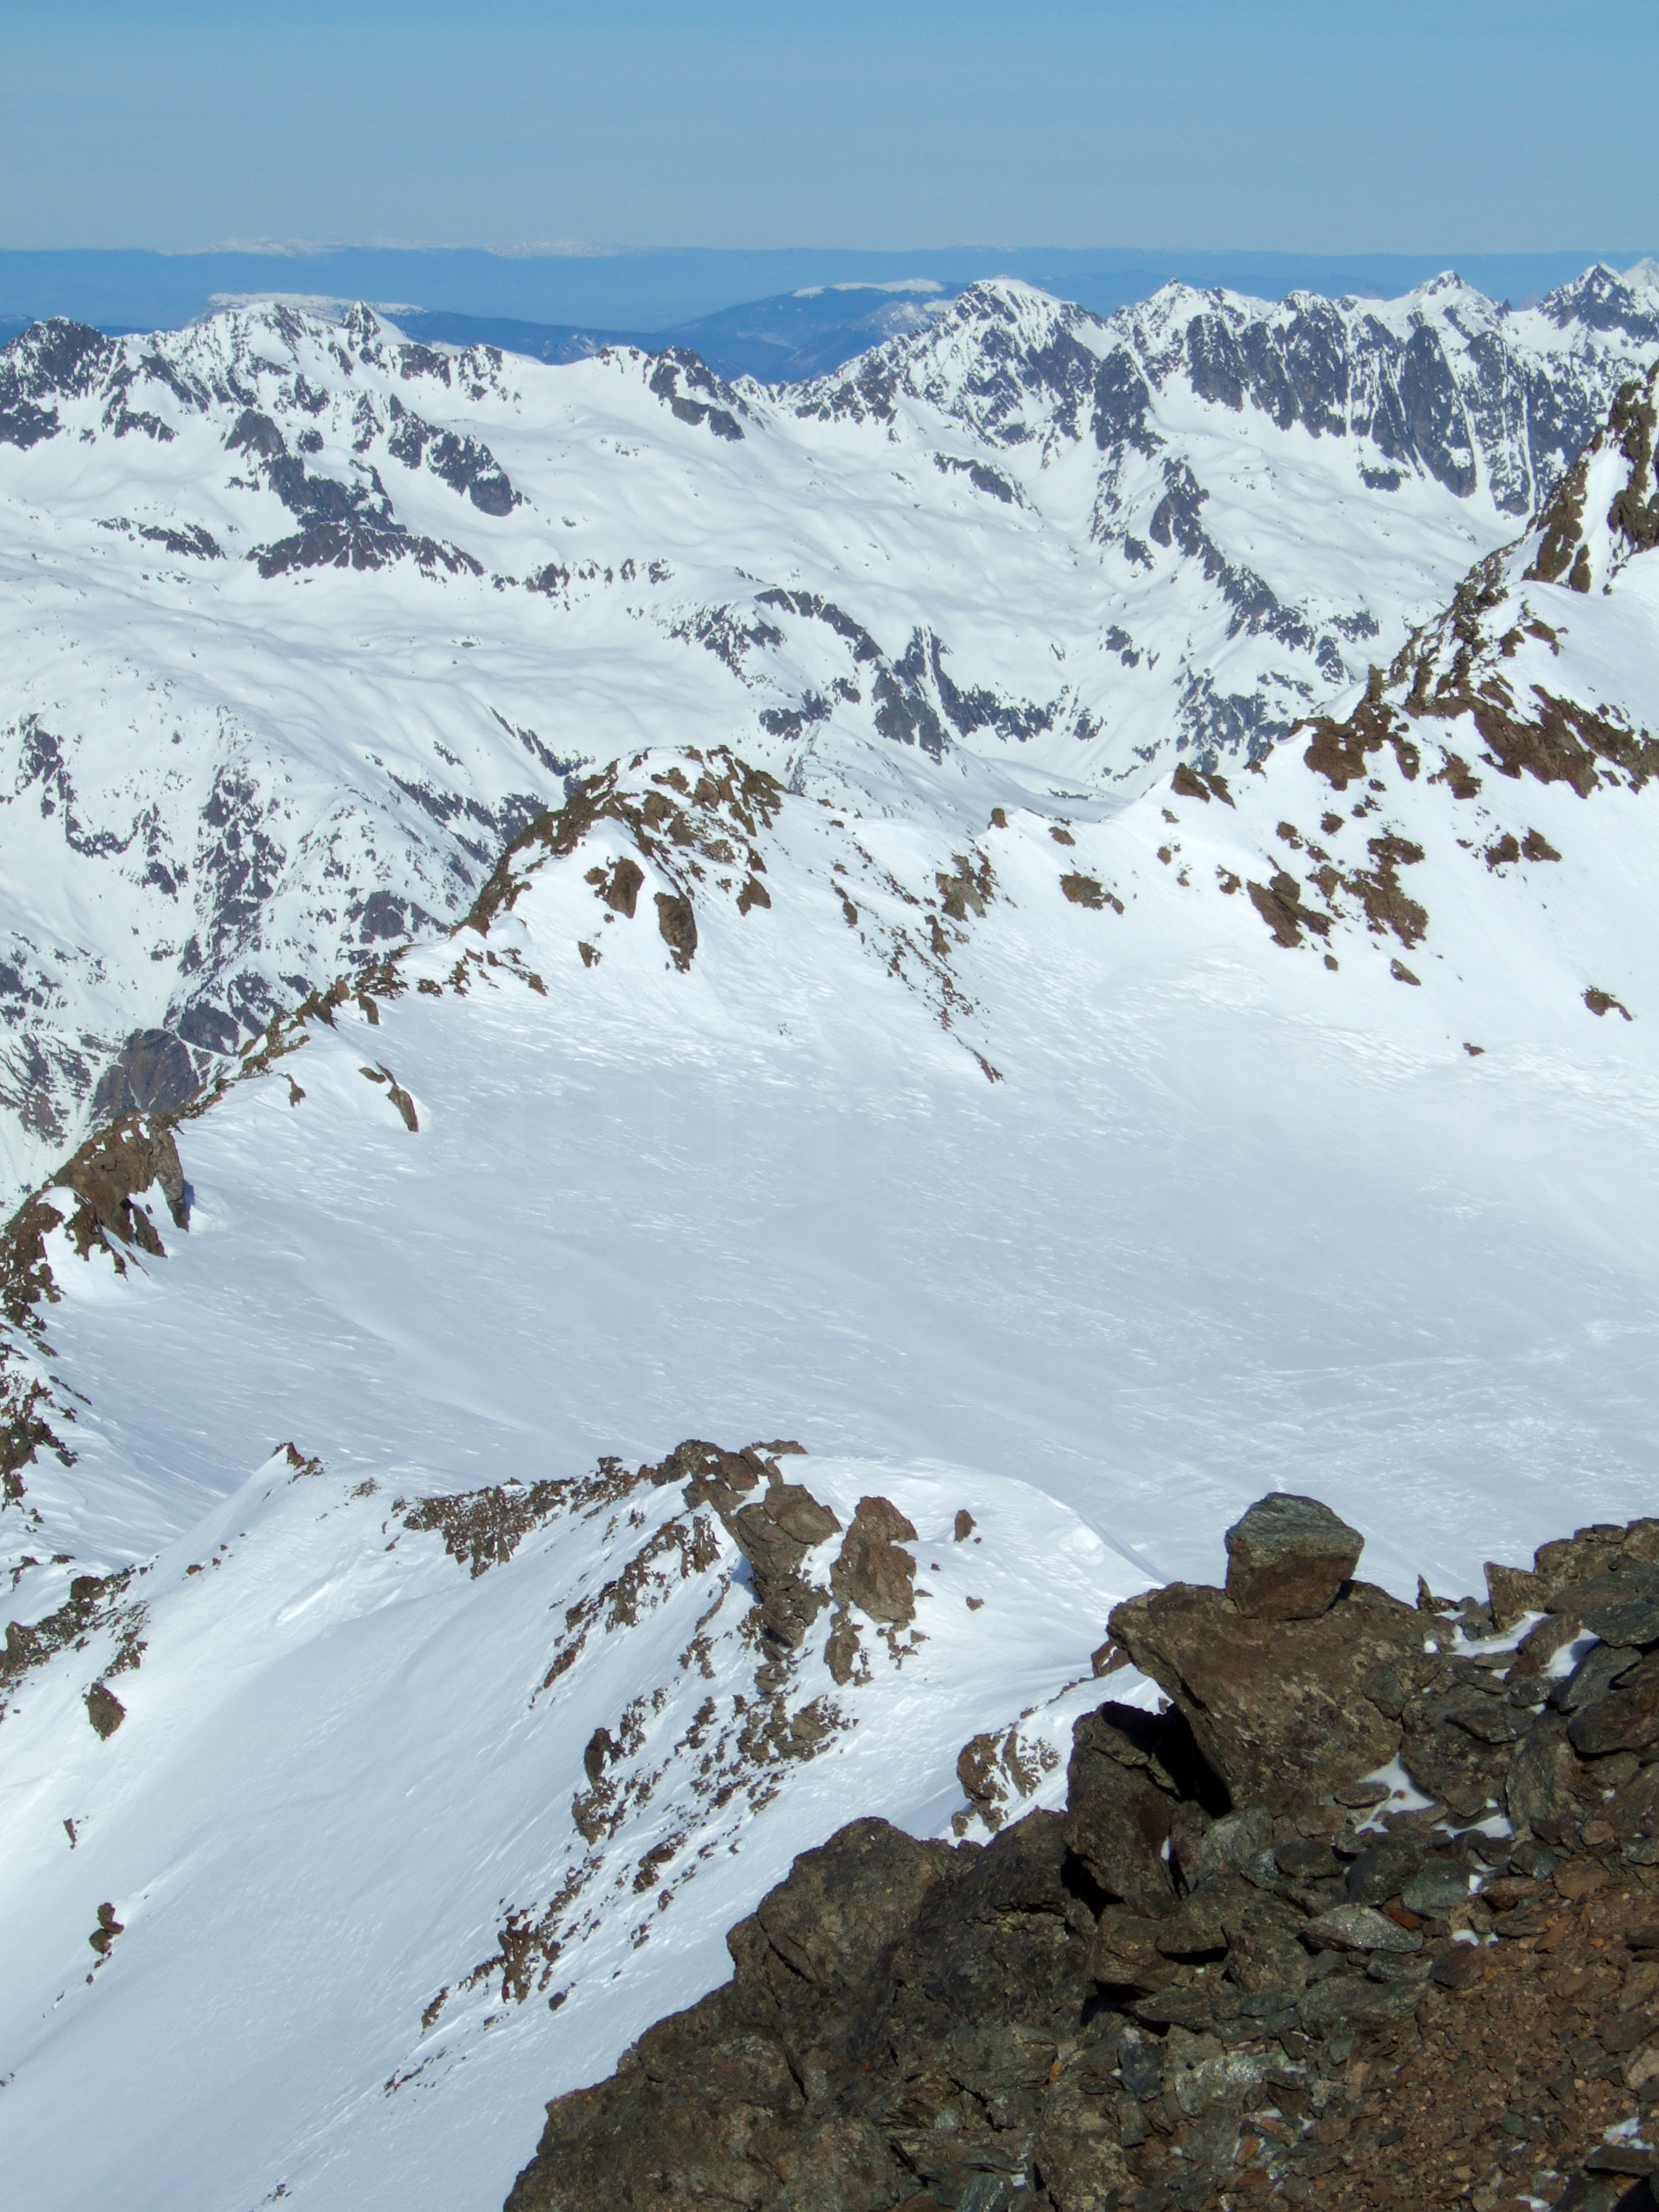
(105, 1709)
(1118, 1820)
(872, 1572)
(775, 1534)
(1281, 1709)
(1288, 1558)
(153, 1073)
(1230, 1966)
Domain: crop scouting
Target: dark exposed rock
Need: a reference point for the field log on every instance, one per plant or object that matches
(1621, 1609)
(153, 1071)
(334, 543)
(1357, 1928)
(460, 462)
(775, 1534)
(1625, 1719)
(678, 371)
(1150, 2001)
(1600, 1666)
(109, 1927)
(1278, 1709)
(872, 1572)
(1512, 1592)
(1538, 1789)
(1119, 1821)
(1288, 1558)
(105, 1709)
(677, 927)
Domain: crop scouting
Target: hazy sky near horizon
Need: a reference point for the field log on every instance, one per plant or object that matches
(1345, 125)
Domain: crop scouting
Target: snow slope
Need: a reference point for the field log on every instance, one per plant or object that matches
(303, 621)
(1095, 1163)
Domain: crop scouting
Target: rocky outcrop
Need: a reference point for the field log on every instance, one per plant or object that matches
(1240, 1966)
(1281, 1709)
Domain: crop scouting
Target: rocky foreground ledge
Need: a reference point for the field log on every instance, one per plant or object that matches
(1249, 1963)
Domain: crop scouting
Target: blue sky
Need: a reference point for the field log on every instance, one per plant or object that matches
(1349, 127)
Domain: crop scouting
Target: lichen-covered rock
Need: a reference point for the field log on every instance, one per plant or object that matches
(1288, 1558)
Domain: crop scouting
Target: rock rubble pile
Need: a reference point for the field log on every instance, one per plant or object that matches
(1368, 1915)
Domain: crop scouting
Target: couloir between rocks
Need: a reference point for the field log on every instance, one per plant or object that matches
(1248, 1963)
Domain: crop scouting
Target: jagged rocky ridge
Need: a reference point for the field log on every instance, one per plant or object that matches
(1243, 1960)
(408, 590)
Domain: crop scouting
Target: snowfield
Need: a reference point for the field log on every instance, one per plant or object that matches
(1086, 1154)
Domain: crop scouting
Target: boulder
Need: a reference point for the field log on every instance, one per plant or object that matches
(105, 1709)
(1625, 1719)
(775, 1533)
(845, 1902)
(1288, 1558)
(1437, 1889)
(1118, 1822)
(1513, 1593)
(871, 1571)
(1382, 1870)
(1455, 1743)
(1358, 1928)
(1126, 1954)
(1621, 1608)
(1539, 1791)
(1279, 1708)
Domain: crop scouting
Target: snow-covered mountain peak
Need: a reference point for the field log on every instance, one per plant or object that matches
(1603, 303)
(306, 621)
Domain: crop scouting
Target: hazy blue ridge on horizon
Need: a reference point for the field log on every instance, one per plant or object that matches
(649, 294)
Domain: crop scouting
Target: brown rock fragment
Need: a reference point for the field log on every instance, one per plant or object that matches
(774, 1534)
(678, 925)
(620, 891)
(105, 1709)
(871, 1571)
(1513, 1591)
(108, 1928)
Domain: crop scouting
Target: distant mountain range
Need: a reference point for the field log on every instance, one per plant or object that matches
(780, 315)
(306, 619)
(787, 340)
